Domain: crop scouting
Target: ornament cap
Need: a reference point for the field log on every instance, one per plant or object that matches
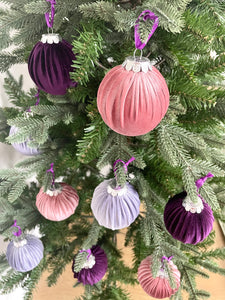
(111, 189)
(191, 206)
(137, 64)
(51, 38)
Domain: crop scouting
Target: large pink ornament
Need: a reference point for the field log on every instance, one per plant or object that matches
(133, 97)
(158, 287)
(58, 204)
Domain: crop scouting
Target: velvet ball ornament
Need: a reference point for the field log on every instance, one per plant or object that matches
(158, 287)
(95, 267)
(115, 208)
(57, 204)
(25, 254)
(23, 147)
(50, 63)
(133, 97)
(186, 221)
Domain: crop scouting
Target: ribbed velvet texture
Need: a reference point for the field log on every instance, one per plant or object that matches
(132, 103)
(115, 212)
(26, 257)
(158, 287)
(95, 274)
(187, 227)
(49, 66)
(23, 147)
(60, 207)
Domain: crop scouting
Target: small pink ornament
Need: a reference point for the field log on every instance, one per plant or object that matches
(133, 97)
(57, 204)
(158, 287)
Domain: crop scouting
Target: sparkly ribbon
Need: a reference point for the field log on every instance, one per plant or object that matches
(19, 232)
(53, 173)
(47, 16)
(199, 183)
(144, 16)
(88, 251)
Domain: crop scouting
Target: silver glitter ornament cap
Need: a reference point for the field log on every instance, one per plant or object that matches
(137, 64)
(51, 38)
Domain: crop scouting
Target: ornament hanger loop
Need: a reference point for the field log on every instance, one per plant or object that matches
(49, 30)
(19, 232)
(135, 53)
(88, 252)
(47, 15)
(124, 164)
(199, 183)
(51, 170)
(165, 258)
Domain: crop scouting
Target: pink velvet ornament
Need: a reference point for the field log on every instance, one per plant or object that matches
(133, 97)
(158, 287)
(58, 204)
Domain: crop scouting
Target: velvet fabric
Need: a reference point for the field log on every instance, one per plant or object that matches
(158, 287)
(23, 147)
(27, 257)
(49, 66)
(59, 207)
(95, 274)
(132, 103)
(115, 212)
(187, 227)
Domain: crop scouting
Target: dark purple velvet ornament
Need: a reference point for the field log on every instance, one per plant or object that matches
(50, 63)
(97, 271)
(186, 226)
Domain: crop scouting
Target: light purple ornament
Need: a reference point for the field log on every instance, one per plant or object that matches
(94, 268)
(115, 208)
(23, 147)
(25, 253)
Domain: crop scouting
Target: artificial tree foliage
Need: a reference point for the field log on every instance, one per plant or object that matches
(189, 50)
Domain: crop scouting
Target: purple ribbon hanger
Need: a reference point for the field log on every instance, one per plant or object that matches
(88, 251)
(144, 16)
(167, 259)
(19, 232)
(47, 15)
(125, 167)
(53, 173)
(199, 183)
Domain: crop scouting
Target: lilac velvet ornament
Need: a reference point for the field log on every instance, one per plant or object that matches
(25, 253)
(95, 267)
(50, 63)
(115, 208)
(23, 147)
(186, 221)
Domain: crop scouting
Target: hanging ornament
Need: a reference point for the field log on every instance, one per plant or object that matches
(158, 287)
(115, 207)
(133, 97)
(94, 268)
(50, 61)
(23, 147)
(59, 202)
(186, 221)
(25, 252)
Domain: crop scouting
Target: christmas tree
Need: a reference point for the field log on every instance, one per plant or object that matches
(64, 131)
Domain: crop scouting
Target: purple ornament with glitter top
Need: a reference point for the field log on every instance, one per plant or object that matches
(23, 147)
(25, 252)
(186, 221)
(94, 268)
(115, 208)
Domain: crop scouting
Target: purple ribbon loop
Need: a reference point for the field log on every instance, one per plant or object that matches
(144, 16)
(166, 258)
(53, 173)
(199, 183)
(19, 232)
(88, 251)
(124, 164)
(47, 16)
(37, 96)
